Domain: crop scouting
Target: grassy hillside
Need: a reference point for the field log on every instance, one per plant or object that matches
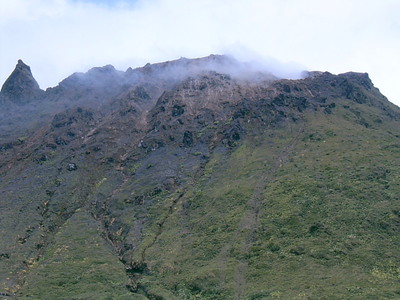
(78, 265)
(306, 211)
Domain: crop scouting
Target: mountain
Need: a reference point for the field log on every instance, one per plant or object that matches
(199, 179)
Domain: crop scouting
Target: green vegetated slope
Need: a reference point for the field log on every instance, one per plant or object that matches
(308, 210)
(78, 265)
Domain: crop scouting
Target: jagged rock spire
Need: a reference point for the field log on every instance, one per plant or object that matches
(21, 86)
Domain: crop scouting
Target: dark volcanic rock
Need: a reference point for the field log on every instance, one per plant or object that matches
(72, 167)
(21, 87)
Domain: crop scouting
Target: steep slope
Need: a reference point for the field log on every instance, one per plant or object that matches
(187, 181)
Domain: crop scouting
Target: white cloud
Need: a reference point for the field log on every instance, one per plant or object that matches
(58, 37)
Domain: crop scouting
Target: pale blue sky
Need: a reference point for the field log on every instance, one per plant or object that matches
(109, 3)
(59, 37)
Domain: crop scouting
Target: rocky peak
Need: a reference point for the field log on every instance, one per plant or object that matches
(360, 78)
(21, 86)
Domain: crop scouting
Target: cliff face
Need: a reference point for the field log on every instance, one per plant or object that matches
(199, 179)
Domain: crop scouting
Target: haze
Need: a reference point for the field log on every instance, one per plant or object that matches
(59, 37)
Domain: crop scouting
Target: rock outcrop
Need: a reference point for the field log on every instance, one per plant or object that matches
(21, 87)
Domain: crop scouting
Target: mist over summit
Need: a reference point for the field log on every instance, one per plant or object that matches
(202, 178)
